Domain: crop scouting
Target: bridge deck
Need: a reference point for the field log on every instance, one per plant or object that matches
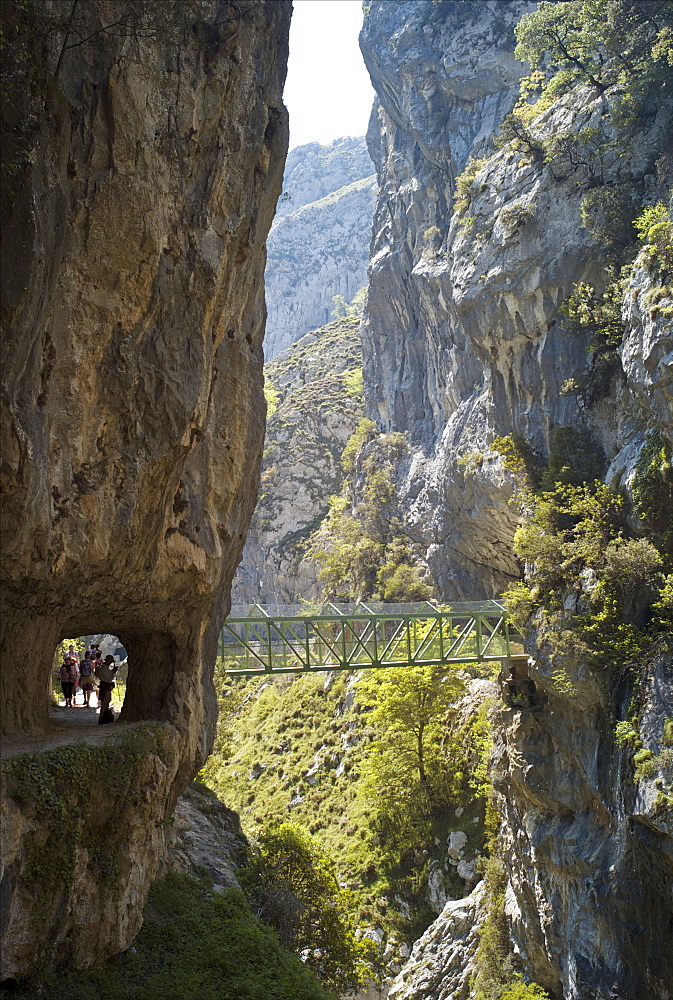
(263, 639)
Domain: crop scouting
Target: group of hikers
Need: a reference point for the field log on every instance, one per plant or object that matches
(94, 674)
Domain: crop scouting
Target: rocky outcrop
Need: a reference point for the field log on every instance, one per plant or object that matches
(313, 171)
(462, 337)
(319, 247)
(441, 961)
(318, 383)
(588, 833)
(205, 834)
(133, 315)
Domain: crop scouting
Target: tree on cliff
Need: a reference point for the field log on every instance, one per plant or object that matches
(293, 887)
(411, 770)
(594, 40)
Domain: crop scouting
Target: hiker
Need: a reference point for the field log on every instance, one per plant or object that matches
(68, 676)
(86, 678)
(106, 715)
(107, 672)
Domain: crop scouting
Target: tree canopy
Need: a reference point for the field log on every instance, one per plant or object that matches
(594, 40)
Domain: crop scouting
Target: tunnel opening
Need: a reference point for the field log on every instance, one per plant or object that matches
(128, 672)
(81, 678)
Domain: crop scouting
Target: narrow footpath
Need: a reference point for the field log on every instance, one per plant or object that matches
(67, 725)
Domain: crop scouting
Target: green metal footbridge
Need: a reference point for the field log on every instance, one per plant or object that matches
(279, 639)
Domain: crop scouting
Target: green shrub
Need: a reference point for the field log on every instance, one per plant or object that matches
(599, 318)
(517, 215)
(655, 232)
(464, 181)
(574, 458)
(652, 491)
(293, 887)
(364, 432)
(519, 458)
(195, 944)
(517, 135)
(607, 213)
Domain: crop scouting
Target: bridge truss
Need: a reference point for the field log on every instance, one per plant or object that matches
(266, 639)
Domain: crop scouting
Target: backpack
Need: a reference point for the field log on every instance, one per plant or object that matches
(85, 668)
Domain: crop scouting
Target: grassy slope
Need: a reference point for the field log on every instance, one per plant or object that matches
(293, 751)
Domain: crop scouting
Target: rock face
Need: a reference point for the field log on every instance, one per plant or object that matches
(588, 838)
(462, 338)
(319, 245)
(440, 964)
(133, 416)
(463, 341)
(206, 834)
(313, 171)
(318, 381)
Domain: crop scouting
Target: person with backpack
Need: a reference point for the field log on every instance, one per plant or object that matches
(68, 676)
(86, 679)
(107, 671)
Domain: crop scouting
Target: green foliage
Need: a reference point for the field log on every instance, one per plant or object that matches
(292, 885)
(519, 458)
(652, 491)
(568, 151)
(355, 308)
(571, 540)
(519, 137)
(520, 990)
(532, 102)
(407, 709)
(594, 41)
(626, 734)
(494, 977)
(464, 181)
(195, 944)
(364, 432)
(350, 564)
(360, 544)
(574, 458)
(655, 232)
(353, 382)
(517, 215)
(402, 582)
(567, 530)
(272, 397)
(302, 742)
(597, 317)
(667, 733)
(607, 213)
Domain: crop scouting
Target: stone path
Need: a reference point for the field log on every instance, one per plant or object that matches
(67, 725)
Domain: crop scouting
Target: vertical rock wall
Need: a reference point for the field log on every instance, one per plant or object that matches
(133, 316)
(462, 336)
(463, 341)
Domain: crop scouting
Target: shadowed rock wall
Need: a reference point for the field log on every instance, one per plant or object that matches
(133, 316)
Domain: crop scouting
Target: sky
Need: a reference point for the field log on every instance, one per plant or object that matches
(328, 92)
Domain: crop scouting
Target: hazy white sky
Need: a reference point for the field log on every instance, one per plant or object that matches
(328, 92)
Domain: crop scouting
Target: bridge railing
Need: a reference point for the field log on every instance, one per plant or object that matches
(295, 638)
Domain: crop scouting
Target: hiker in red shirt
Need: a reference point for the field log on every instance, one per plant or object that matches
(68, 676)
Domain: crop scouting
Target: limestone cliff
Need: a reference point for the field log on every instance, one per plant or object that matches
(462, 338)
(319, 245)
(319, 402)
(134, 222)
(463, 341)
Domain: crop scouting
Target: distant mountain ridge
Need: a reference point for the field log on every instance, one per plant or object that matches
(318, 246)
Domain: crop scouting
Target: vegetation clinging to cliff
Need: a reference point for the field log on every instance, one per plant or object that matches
(197, 944)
